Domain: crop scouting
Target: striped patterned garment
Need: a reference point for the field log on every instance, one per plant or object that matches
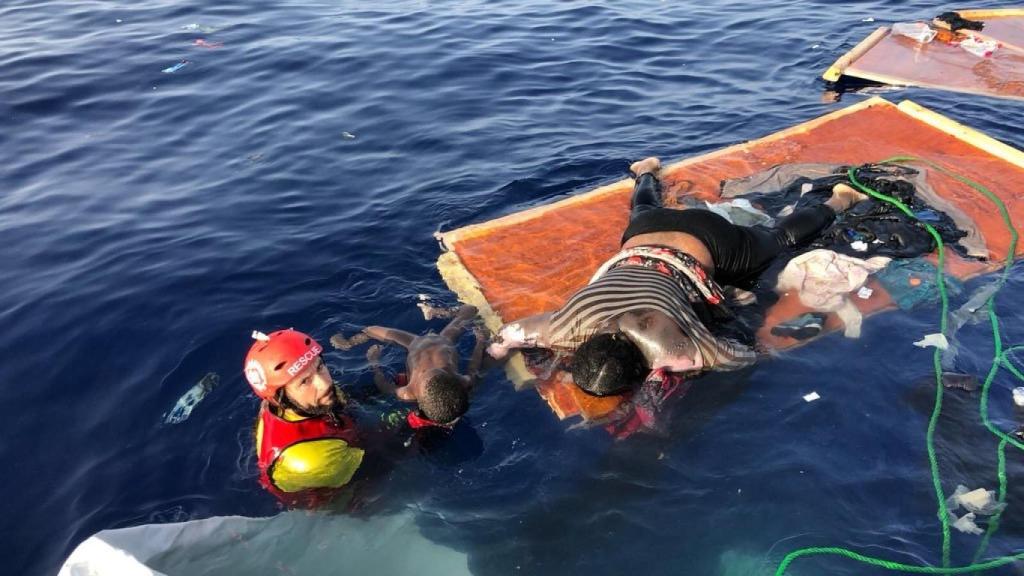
(635, 288)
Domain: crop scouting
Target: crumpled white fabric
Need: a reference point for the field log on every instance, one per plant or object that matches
(741, 212)
(823, 279)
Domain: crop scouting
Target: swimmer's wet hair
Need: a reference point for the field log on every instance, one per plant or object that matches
(608, 364)
(444, 399)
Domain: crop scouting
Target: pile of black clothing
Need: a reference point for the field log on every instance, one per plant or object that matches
(873, 227)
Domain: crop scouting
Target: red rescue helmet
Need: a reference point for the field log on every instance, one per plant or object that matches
(275, 359)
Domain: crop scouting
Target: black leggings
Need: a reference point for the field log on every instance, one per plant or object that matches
(739, 252)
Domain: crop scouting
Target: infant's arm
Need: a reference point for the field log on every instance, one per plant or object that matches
(385, 384)
(389, 335)
(458, 324)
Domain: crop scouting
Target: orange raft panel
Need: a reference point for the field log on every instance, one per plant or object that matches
(532, 261)
(900, 61)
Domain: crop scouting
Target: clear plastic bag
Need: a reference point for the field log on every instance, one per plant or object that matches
(918, 31)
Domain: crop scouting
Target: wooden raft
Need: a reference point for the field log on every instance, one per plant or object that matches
(532, 261)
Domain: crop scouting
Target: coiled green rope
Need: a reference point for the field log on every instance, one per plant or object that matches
(1000, 359)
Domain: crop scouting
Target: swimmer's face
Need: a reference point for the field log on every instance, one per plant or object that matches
(313, 389)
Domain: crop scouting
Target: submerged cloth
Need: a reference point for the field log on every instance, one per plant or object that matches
(823, 278)
(304, 461)
(789, 184)
(650, 278)
(644, 410)
(912, 282)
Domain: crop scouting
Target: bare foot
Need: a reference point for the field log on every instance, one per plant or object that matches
(844, 197)
(645, 166)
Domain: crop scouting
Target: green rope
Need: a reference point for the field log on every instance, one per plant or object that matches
(1001, 358)
(933, 422)
(896, 566)
(993, 524)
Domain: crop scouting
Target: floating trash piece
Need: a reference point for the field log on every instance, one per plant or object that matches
(176, 67)
(865, 292)
(978, 47)
(199, 28)
(1018, 396)
(966, 524)
(811, 397)
(868, 19)
(979, 501)
(859, 246)
(208, 45)
(255, 158)
(968, 382)
(937, 340)
(119, 20)
(918, 31)
(184, 406)
(348, 136)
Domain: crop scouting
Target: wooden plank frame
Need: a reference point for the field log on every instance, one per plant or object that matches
(848, 60)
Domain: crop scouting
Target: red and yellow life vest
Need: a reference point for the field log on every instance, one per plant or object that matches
(305, 461)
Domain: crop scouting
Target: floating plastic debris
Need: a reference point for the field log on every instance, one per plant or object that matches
(966, 524)
(208, 45)
(967, 382)
(348, 136)
(1018, 396)
(176, 67)
(918, 31)
(184, 406)
(978, 501)
(865, 292)
(859, 246)
(199, 28)
(978, 47)
(868, 19)
(811, 397)
(937, 340)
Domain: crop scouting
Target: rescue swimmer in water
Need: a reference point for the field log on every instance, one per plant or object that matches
(307, 447)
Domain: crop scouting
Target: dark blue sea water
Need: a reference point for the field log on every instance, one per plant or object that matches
(149, 221)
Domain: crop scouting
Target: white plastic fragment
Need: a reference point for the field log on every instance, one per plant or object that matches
(966, 524)
(868, 19)
(937, 340)
(1018, 396)
(811, 397)
(859, 246)
(918, 31)
(865, 292)
(257, 335)
(978, 501)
